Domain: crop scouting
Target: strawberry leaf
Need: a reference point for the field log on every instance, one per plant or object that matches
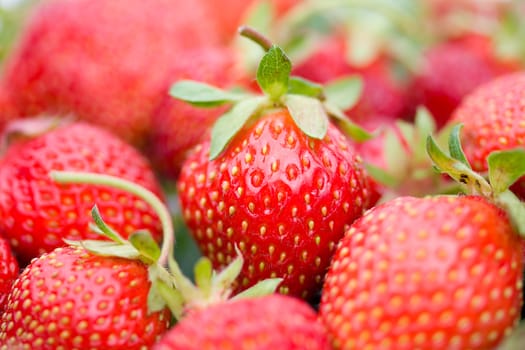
(273, 73)
(505, 167)
(231, 122)
(156, 300)
(106, 248)
(381, 176)
(454, 145)
(457, 170)
(261, 288)
(203, 274)
(300, 86)
(344, 92)
(105, 229)
(308, 114)
(146, 245)
(356, 132)
(202, 94)
(424, 122)
(515, 209)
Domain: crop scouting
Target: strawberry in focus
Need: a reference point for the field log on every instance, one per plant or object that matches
(277, 179)
(8, 271)
(443, 272)
(281, 197)
(36, 214)
(72, 299)
(265, 323)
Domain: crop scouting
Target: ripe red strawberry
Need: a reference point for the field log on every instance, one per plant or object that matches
(452, 70)
(277, 179)
(492, 116)
(36, 214)
(8, 271)
(105, 61)
(72, 299)
(433, 273)
(177, 126)
(383, 98)
(265, 323)
(281, 197)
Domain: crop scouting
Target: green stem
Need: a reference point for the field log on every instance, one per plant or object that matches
(255, 36)
(70, 177)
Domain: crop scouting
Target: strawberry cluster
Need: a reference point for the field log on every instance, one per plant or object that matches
(171, 178)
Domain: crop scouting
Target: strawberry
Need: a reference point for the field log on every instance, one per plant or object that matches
(434, 272)
(453, 69)
(277, 179)
(105, 61)
(73, 299)
(8, 271)
(492, 116)
(36, 214)
(270, 322)
(176, 126)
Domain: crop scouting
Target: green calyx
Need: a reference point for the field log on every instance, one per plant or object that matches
(309, 104)
(504, 169)
(169, 287)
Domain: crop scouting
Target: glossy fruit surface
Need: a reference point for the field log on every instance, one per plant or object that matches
(36, 213)
(264, 323)
(430, 273)
(281, 197)
(8, 271)
(72, 299)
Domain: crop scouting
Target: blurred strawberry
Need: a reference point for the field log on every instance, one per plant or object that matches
(177, 126)
(451, 70)
(228, 15)
(492, 117)
(383, 98)
(105, 61)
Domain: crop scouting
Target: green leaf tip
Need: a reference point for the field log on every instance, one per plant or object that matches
(474, 182)
(229, 124)
(344, 92)
(308, 114)
(202, 94)
(454, 145)
(505, 168)
(273, 73)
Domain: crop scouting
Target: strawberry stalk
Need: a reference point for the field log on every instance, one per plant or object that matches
(170, 287)
(168, 241)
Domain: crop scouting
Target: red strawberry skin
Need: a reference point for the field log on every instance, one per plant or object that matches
(177, 126)
(8, 271)
(452, 70)
(425, 273)
(36, 213)
(72, 299)
(265, 323)
(282, 198)
(492, 118)
(105, 61)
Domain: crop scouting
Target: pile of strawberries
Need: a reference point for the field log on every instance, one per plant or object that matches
(352, 173)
